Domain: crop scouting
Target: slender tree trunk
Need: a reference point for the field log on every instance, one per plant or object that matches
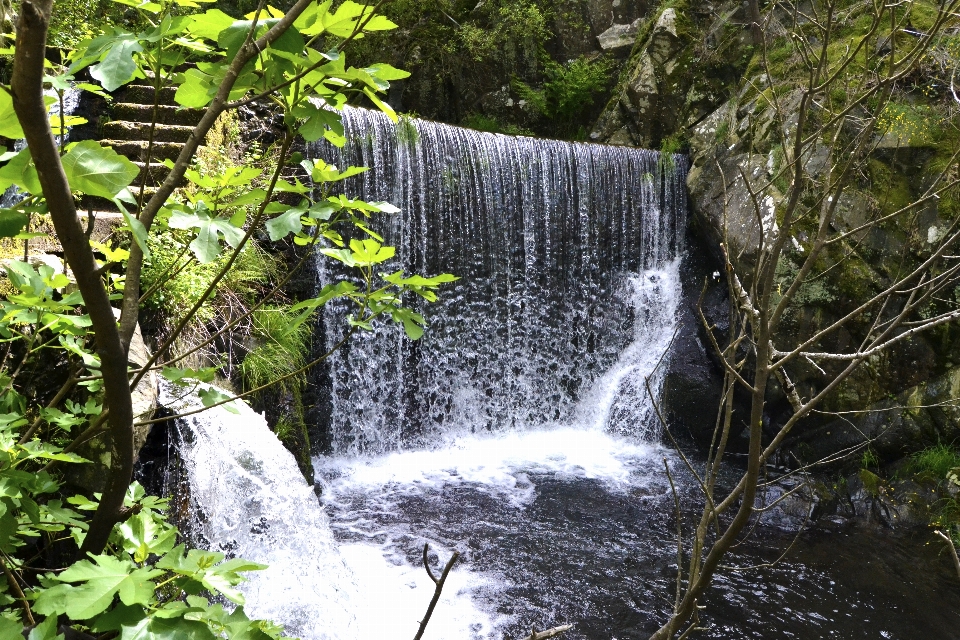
(27, 92)
(753, 15)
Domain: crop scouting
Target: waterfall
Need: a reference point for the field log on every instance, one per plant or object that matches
(566, 253)
(248, 499)
(534, 375)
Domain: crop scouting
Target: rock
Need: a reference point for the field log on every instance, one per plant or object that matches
(641, 91)
(724, 206)
(694, 380)
(788, 503)
(901, 155)
(649, 103)
(619, 36)
(924, 415)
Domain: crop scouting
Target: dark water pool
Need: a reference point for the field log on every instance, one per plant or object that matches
(573, 546)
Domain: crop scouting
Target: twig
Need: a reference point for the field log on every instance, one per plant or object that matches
(953, 549)
(548, 633)
(676, 502)
(439, 587)
(18, 592)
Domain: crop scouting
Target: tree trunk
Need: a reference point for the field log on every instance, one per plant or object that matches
(27, 93)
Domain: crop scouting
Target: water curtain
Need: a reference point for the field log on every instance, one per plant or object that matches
(549, 239)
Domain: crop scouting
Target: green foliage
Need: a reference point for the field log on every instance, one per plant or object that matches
(74, 20)
(913, 125)
(869, 459)
(141, 581)
(508, 29)
(142, 585)
(282, 344)
(935, 462)
(568, 89)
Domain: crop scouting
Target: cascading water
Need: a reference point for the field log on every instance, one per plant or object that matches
(518, 430)
(244, 490)
(566, 253)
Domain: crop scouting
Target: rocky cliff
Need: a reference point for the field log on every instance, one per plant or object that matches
(695, 81)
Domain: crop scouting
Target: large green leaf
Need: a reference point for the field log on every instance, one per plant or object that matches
(11, 222)
(20, 171)
(97, 170)
(118, 66)
(287, 222)
(9, 125)
(210, 23)
(98, 584)
(10, 629)
(197, 89)
(46, 630)
(167, 629)
(206, 246)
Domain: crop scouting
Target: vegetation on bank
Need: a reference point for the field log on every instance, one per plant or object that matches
(109, 564)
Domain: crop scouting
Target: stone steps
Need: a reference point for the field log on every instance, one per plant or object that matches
(143, 94)
(129, 131)
(166, 114)
(136, 150)
(125, 130)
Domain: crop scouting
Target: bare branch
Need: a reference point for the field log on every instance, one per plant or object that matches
(436, 593)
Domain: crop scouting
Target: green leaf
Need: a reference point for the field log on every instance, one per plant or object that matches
(10, 629)
(156, 628)
(383, 106)
(206, 246)
(210, 24)
(286, 223)
(9, 124)
(197, 89)
(369, 252)
(119, 616)
(99, 583)
(137, 230)
(212, 396)
(318, 121)
(202, 567)
(11, 223)
(46, 630)
(98, 171)
(387, 72)
(118, 66)
(175, 375)
(20, 171)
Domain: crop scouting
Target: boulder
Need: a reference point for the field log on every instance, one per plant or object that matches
(619, 36)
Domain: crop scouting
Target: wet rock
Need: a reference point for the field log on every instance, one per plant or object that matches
(694, 381)
(788, 504)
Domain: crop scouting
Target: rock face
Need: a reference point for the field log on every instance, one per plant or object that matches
(689, 80)
(925, 415)
(677, 74)
(657, 81)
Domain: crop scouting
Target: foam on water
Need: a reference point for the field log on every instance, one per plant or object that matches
(250, 500)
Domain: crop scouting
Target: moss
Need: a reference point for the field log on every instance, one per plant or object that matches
(871, 482)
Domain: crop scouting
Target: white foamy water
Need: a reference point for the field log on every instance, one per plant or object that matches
(250, 500)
